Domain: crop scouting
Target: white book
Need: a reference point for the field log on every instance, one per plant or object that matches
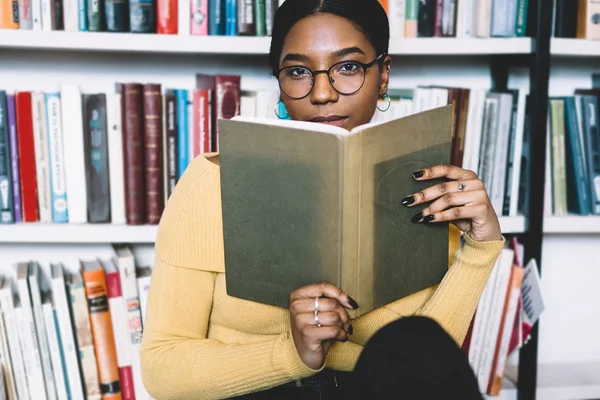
(3, 393)
(248, 104)
(74, 153)
(483, 17)
(266, 101)
(9, 386)
(115, 158)
(65, 330)
(184, 10)
(439, 98)
(143, 283)
(474, 130)
(54, 347)
(518, 150)
(9, 301)
(36, 305)
(465, 18)
(500, 146)
(397, 17)
(42, 156)
(46, 14)
(36, 14)
(31, 348)
(70, 15)
(127, 272)
(57, 159)
(495, 312)
(422, 99)
(20, 326)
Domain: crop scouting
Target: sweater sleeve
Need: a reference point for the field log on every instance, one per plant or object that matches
(452, 303)
(178, 359)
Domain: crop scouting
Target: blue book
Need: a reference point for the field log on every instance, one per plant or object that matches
(62, 356)
(58, 185)
(216, 21)
(82, 15)
(231, 17)
(183, 158)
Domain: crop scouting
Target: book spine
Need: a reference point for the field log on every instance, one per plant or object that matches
(6, 197)
(82, 11)
(102, 332)
(74, 153)
(85, 342)
(438, 18)
(60, 212)
(46, 15)
(231, 17)
(115, 158)
(118, 318)
(166, 17)
(96, 158)
(260, 26)
(449, 19)
(27, 169)
(592, 146)
(54, 350)
(510, 164)
(397, 18)
(153, 152)
(216, 18)
(143, 284)
(133, 154)
(226, 102)
(412, 16)
(70, 15)
(426, 18)
(25, 19)
(9, 14)
(40, 130)
(142, 17)
(245, 18)
(182, 131)
(117, 18)
(36, 14)
(95, 15)
(14, 340)
(199, 17)
(270, 9)
(57, 15)
(521, 23)
(172, 154)
(483, 16)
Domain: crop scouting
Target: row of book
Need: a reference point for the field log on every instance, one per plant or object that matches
(457, 18)
(509, 306)
(407, 18)
(576, 19)
(184, 17)
(73, 157)
(573, 154)
(74, 334)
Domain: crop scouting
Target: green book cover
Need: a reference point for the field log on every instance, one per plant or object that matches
(260, 18)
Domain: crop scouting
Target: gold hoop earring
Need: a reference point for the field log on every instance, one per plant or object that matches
(386, 97)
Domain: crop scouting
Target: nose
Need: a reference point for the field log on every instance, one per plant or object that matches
(323, 92)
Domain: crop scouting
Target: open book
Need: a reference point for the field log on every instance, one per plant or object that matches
(305, 202)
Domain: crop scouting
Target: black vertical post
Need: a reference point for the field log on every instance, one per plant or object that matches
(541, 29)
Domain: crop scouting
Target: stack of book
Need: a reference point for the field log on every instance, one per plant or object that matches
(576, 19)
(76, 335)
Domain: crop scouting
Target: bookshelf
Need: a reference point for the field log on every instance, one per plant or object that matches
(572, 224)
(563, 47)
(227, 45)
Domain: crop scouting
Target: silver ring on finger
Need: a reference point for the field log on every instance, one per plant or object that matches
(316, 305)
(461, 185)
(317, 319)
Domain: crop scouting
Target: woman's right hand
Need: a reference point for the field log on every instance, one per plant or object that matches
(313, 342)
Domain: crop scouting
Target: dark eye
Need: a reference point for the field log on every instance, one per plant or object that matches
(296, 73)
(348, 68)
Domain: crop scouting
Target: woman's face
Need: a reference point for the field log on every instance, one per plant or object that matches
(318, 42)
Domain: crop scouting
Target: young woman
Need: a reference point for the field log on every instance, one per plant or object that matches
(330, 57)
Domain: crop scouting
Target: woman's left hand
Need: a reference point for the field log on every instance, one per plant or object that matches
(462, 199)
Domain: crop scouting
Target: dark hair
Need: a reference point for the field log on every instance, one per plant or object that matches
(368, 16)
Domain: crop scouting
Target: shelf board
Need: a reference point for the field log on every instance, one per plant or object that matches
(572, 224)
(236, 45)
(77, 233)
(512, 224)
(574, 47)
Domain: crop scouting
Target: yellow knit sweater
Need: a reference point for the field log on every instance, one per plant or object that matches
(200, 343)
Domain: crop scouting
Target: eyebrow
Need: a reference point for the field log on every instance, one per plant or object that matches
(336, 54)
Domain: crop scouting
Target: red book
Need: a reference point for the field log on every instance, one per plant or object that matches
(25, 144)
(201, 129)
(153, 152)
(166, 17)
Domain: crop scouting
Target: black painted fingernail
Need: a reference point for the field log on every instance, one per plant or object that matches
(408, 200)
(417, 174)
(417, 217)
(352, 302)
(350, 330)
(429, 218)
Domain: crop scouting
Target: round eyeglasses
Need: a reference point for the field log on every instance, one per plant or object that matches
(346, 77)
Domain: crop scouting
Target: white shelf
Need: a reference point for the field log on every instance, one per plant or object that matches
(77, 233)
(512, 224)
(574, 47)
(153, 43)
(572, 224)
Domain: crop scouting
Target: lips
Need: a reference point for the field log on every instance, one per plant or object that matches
(336, 120)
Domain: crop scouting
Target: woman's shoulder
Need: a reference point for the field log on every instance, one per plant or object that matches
(190, 232)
